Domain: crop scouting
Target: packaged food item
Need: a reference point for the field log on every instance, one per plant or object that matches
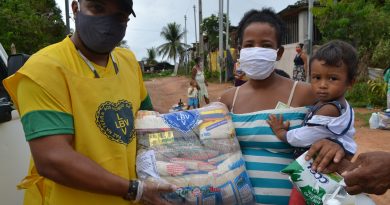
(321, 189)
(195, 150)
(313, 185)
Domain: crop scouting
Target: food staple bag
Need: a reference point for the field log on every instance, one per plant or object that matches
(197, 151)
(313, 185)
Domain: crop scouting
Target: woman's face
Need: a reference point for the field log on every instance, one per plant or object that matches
(259, 34)
(298, 48)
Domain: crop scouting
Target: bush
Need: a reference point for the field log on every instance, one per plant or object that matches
(148, 76)
(367, 94)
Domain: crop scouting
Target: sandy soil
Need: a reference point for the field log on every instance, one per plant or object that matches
(166, 92)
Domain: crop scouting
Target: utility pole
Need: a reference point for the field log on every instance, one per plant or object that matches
(185, 41)
(201, 35)
(220, 58)
(196, 32)
(185, 29)
(227, 47)
(67, 16)
(309, 34)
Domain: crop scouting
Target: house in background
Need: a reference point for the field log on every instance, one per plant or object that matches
(296, 19)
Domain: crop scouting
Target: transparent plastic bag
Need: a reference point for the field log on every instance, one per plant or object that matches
(195, 150)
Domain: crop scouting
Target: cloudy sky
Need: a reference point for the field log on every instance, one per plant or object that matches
(152, 15)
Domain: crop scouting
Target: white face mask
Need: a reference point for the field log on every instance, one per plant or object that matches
(258, 63)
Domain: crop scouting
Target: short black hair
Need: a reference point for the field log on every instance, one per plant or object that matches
(197, 60)
(336, 53)
(301, 45)
(266, 15)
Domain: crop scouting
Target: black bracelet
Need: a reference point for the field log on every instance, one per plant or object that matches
(132, 192)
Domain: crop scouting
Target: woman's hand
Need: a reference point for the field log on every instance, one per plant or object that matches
(324, 151)
(152, 191)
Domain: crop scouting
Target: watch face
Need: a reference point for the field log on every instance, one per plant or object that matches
(132, 192)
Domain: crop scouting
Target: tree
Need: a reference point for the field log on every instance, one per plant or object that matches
(151, 58)
(363, 23)
(172, 34)
(210, 27)
(30, 25)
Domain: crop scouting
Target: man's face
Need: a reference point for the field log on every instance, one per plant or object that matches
(104, 8)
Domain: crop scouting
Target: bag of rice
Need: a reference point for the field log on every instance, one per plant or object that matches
(195, 150)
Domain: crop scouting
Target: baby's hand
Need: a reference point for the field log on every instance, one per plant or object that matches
(278, 127)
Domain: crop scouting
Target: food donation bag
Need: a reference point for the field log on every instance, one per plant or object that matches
(195, 150)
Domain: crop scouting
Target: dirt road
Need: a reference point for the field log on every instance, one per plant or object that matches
(168, 91)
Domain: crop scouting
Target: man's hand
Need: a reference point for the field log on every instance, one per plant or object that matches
(369, 173)
(325, 151)
(152, 191)
(278, 127)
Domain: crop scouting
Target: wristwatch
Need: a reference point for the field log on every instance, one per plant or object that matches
(132, 192)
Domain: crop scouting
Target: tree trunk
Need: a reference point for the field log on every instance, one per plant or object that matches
(175, 68)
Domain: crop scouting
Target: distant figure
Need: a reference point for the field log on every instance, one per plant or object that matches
(300, 64)
(386, 77)
(239, 75)
(198, 75)
(192, 94)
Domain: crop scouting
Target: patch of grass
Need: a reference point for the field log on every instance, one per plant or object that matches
(363, 118)
(149, 76)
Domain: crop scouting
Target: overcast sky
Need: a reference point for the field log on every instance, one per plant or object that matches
(152, 15)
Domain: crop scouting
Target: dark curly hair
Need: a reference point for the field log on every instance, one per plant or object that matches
(336, 53)
(266, 15)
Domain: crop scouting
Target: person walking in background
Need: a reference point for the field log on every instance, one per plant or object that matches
(198, 76)
(386, 77)
(192, 94)
(300, 64)
(77, 100)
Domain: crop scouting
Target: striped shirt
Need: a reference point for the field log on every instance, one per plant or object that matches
(265, 155)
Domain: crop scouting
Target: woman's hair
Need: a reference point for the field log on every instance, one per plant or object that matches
(197, 60)
(266, 15)
(301, 45)
(336, 53)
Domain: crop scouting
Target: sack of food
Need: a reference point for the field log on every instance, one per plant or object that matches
(197, 151)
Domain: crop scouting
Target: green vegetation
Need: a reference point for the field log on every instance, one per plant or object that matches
(149, 76)
(367, 94)
(363, 23)
(30, 25)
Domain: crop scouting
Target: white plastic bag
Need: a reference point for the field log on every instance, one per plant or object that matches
(374, 121)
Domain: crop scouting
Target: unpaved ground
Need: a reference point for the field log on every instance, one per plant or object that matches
(167, 91)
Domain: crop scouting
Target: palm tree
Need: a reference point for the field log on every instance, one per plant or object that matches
(151, 58)
(172, 34)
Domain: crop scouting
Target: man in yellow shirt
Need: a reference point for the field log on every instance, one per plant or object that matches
(77, 100)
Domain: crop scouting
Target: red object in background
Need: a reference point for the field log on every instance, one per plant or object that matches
(296, 198)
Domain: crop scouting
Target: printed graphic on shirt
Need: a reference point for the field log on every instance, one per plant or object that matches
(116, 121)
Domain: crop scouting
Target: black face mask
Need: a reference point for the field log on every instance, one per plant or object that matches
(100, 34)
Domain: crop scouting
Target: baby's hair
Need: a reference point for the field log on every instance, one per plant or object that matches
(266, 15)
(336, 53)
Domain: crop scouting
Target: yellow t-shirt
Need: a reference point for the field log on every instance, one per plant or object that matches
(57, 93)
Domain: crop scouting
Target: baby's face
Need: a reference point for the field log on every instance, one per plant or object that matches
(329, 82)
